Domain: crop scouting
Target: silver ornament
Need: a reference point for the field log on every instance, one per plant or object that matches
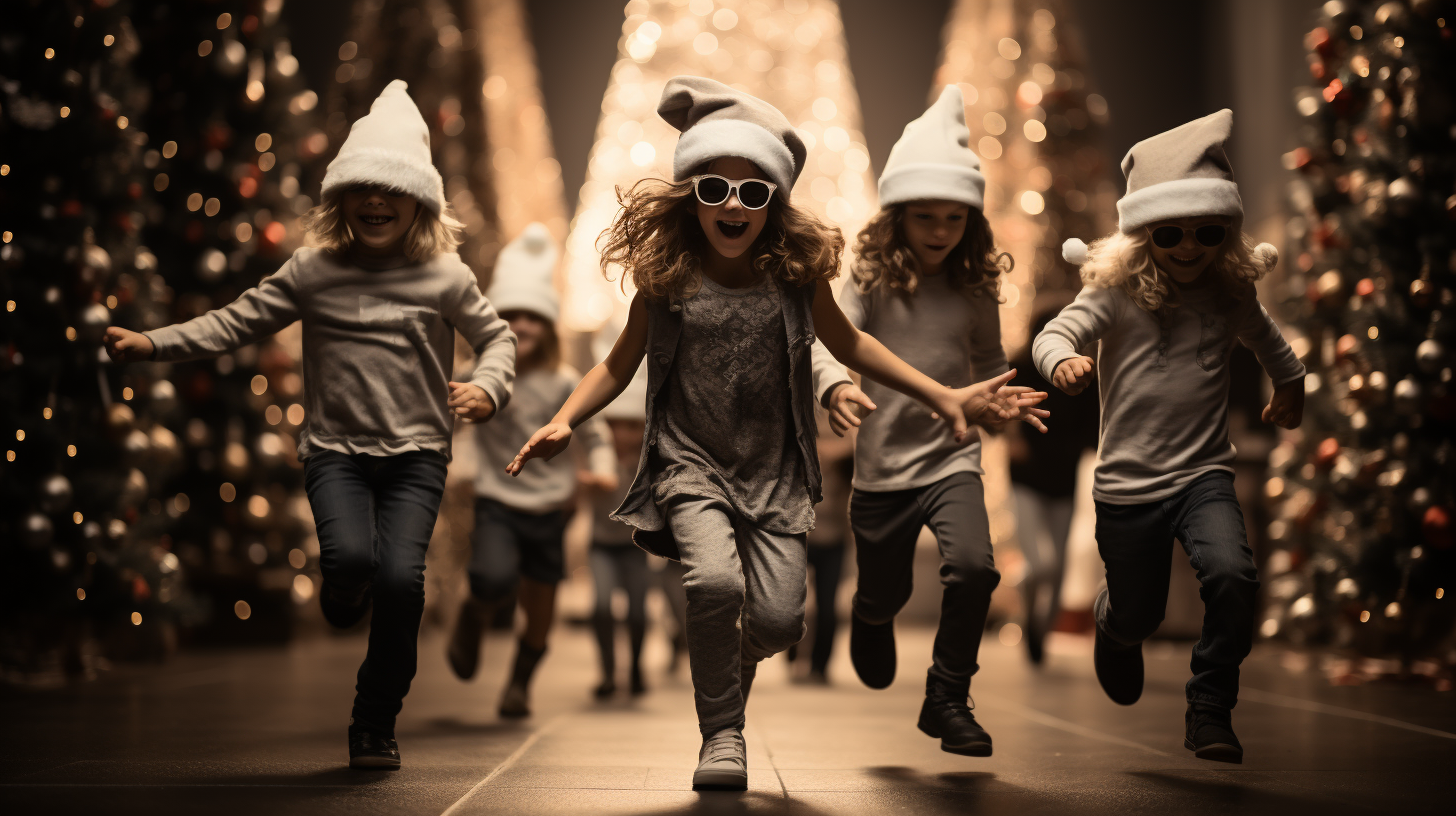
(92, 322)
(163, 396)
(55, 494)
(1407, 396)
(36, 531)
(1429, 355)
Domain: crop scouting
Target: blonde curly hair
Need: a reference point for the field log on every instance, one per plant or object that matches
(657, 240)
(428, 235)
(882, 258)
(1124, 261)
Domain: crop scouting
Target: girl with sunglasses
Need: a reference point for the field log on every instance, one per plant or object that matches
(925, 284)
(731, 283)
(1165, 298)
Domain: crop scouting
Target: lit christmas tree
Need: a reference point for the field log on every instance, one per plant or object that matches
(1362, 494)
(790, 53)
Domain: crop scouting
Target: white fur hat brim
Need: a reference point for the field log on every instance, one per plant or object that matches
(933, 182)
(386, 168)
(1181, 198)
(724, 138)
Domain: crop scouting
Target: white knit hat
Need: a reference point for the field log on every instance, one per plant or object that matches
(717, 122)
(390, 147)
(933, 159)
(1182, 173)
(524, 275)
(632, 402)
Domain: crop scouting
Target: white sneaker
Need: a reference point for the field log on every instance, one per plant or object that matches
(723, 762)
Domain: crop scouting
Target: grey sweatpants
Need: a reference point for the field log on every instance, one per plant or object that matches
(745, 590)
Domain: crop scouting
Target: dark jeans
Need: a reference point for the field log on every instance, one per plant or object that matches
(885, 528)
(508, 544)
(374, 516)
(828, 565)
(1135, 539)
(621, 566)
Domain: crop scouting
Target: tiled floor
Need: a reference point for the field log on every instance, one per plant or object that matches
(261, 732)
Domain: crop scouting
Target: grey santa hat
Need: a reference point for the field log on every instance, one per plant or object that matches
(389, 147)
(524, 278)
(933, 159)
(717, 122)
(1181, 173)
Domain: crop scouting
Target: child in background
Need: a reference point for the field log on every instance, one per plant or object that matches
(926, 283)
(731, 289)
(827, 544)
(1166, 297)
(517, 543)
(380, 299)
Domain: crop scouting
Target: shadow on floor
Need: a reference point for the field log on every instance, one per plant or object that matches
(734, 803)
(1229, 795)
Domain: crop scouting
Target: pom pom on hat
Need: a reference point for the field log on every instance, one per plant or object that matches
(1074, 251)
(1266, 255)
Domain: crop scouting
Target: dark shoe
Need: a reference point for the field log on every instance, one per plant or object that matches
(1119, 669)
(948, 718)
(342, 612)
(638, 686)
(1210, 734)
(872, 650)
(372, 750)
(464, 650)
(605, 690)
(1035, 641)
(515, 702)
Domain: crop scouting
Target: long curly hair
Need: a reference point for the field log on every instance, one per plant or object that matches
(428, 235)
(884, 260)
(657, 240)
(1124, 261)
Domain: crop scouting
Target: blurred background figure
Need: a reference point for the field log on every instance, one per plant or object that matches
(827, 546)
(1044, 470)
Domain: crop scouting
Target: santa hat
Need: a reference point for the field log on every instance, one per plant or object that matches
(632, 402)
(524, 275)
(1181, 173)
(389, 147)
(933, 159)
(718, 122)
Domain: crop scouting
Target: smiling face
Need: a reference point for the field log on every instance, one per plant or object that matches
(378, 219)
(530, 330)
(1186, 261)
(932, 229)
(730, 227)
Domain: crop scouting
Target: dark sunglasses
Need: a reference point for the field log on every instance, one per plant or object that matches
(1209, 235)
(753, 194)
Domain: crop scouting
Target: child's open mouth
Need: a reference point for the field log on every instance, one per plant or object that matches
(732, 229)
(1186, 261)
(936, 247)
(376, 220)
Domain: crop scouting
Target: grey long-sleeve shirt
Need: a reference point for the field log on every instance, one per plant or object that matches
(1163, 382)
(377, 346)
(954, 337)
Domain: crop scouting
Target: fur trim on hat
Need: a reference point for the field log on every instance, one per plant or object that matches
(722, 138)
(1182, 198)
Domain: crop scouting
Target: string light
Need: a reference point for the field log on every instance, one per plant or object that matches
(80, 594)
(65, 111)
(136, 619)
(126, 393)
(77, 517)
(71, 450)
(50, 53)
(108, 40)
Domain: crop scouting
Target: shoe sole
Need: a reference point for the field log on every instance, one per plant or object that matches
(373, 763)
(720, 780)
(1217, 752)
(978, 748)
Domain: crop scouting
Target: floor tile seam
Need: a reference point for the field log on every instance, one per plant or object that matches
(506, 765)
(1053, 721)
(758, 736)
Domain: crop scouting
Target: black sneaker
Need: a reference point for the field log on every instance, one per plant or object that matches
(343, 612)
(464, 650)
(638, 685)
(1210, 734)
(370, 749)
(872, 651)
(605, 690)
(949, 719)
(1119, 668)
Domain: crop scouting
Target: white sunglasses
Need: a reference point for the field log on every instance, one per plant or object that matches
(753, 194)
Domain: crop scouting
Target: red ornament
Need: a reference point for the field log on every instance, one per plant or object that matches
(1325, 454)
(1437, 527)
(140, 591)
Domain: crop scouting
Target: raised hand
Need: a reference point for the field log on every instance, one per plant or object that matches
(1018, 403)
(470, 402)
(1286, 407)
(127, 346)
(545, 443)
(847, 404)
(1073, 374)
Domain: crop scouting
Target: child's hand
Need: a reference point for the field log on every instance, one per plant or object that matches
(1286, 407)
(126, 346)
(1073, 374)
(605, 482)
(845, 404)
(1017, 403)
(545, 443)
(977, 404)
(470, 402)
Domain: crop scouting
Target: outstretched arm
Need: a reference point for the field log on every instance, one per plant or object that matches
(600, 386)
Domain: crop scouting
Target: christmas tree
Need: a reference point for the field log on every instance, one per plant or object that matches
(82, 503)
(1362, 493)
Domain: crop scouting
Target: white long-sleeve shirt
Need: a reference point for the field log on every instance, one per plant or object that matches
(377, 346)
(1163, 382)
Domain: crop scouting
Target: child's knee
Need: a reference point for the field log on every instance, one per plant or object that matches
(402, 586)
(771, 632)
(714, 586)
(978, 574)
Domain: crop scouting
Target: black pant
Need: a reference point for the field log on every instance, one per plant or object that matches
(374, 516)
(1135, 540)
(828, 565)
(509, 544)
(621, 566)
(885, 528)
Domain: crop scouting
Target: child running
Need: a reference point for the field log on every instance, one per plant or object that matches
(380, 298)
(1165, 298)
(731, 283)
(926, 282)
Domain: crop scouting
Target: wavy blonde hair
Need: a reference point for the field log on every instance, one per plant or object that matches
(1124, 261)
(882, 258)
(428, 235)
(657, 240)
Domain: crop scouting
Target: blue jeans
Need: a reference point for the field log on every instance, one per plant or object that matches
(374, 516)
(1134, 540)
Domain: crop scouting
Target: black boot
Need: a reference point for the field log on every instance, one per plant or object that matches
(1119, 668)
(372, 749)
(1210, 734)
(516, 701)
(947, 717)
(343, 610)
(464, 650)
(872, 651)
